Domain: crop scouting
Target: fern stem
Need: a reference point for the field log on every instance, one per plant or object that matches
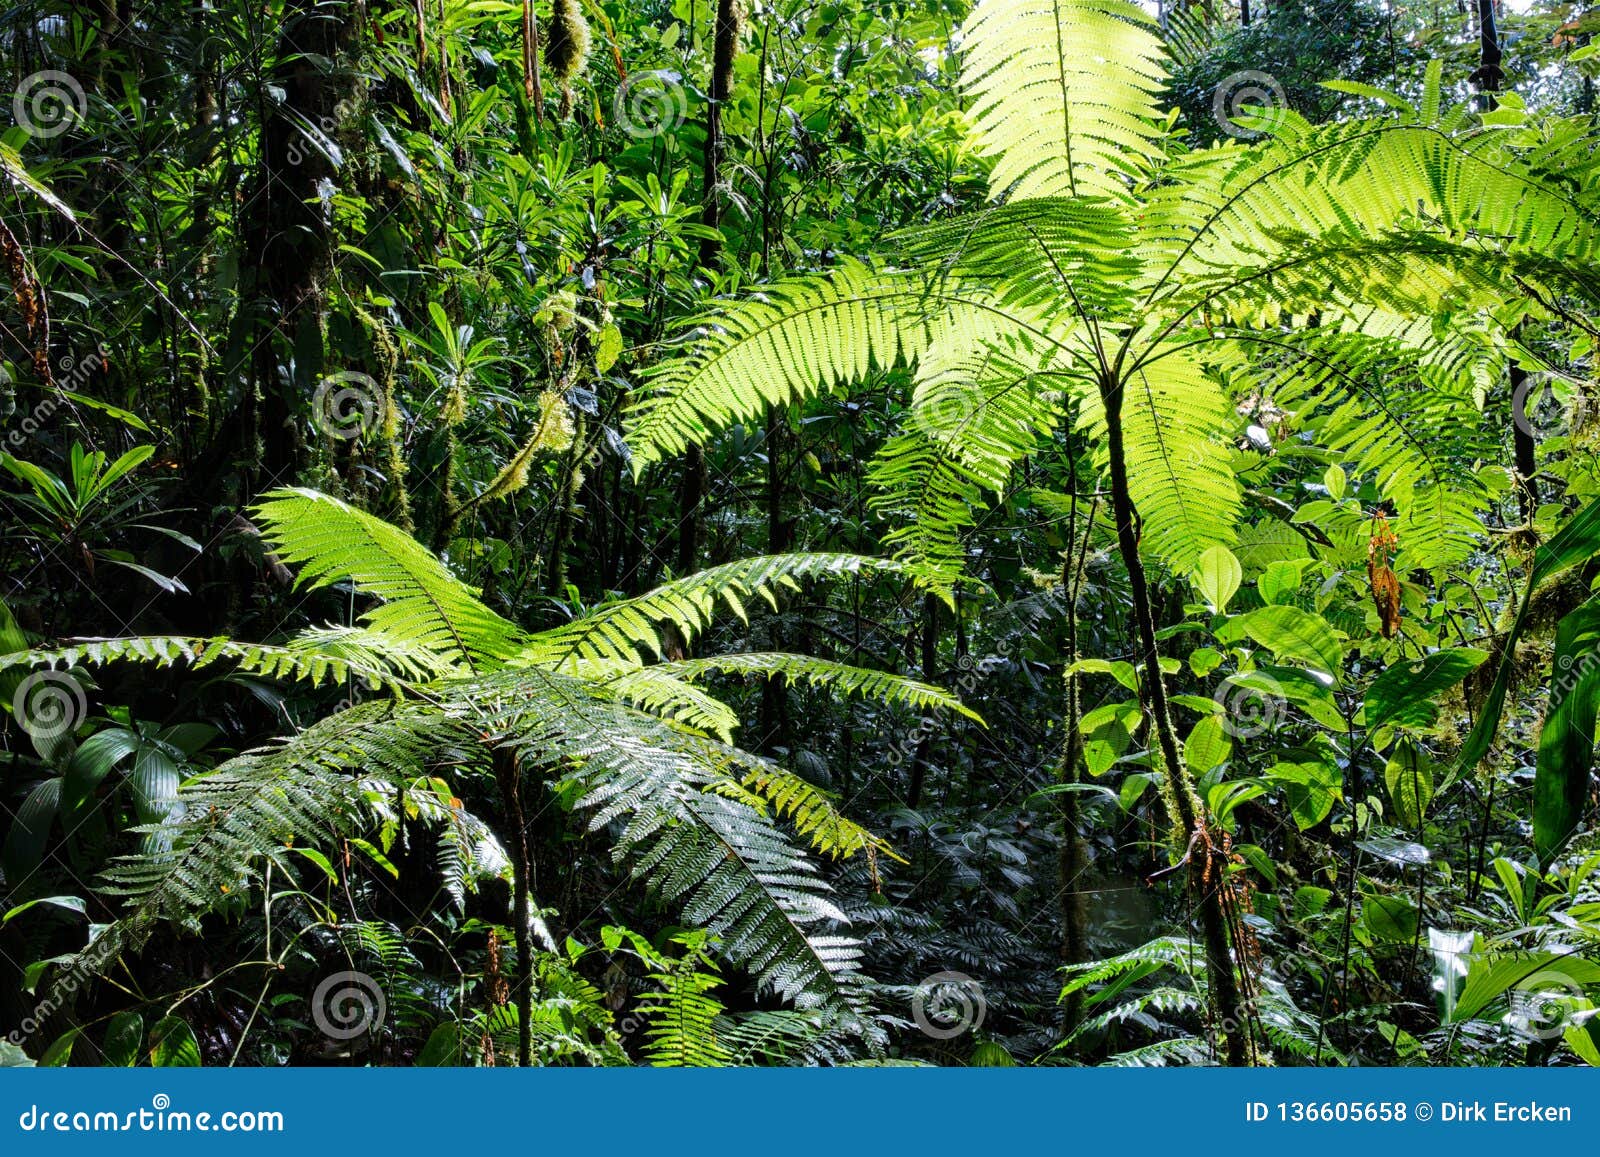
(1073, 860)
(1207, 865)
(508, 776)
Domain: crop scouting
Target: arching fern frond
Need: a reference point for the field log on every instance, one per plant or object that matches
(1064, 94)
(794, 338)
(423, 604)
(287, 663)
(728, 867)
(884, 686)
(622, 630)
(254, 808)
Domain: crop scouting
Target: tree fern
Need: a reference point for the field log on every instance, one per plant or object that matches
(696, 819)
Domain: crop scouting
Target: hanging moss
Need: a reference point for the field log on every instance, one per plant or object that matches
(566, 49)
(386, 358)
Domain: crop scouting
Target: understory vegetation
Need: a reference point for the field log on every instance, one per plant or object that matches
(1035, 532)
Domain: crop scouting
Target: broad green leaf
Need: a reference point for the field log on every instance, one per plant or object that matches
(1575, 542)
(1291, 633)
(1217, 577)
(1294, 685)
(59, 1054)
(1390, 918)
(1566, 741)
(1406, 693)
(123, 1036)
(70, 903)
(1207, 746)
(25, 842)
(607, 348)
(1280, 581)
(155, 783)
(172, 1045)
(1310, 788)
(1409, 778)
(1584, 1038)
(442, 1049)
(1490, 977)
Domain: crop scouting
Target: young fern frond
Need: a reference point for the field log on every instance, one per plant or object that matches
(933, 498)
(682, 1016)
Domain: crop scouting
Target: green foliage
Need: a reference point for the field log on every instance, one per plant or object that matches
(1125, 500)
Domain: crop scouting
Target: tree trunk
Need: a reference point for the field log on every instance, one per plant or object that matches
(1207, 866)
(1073, 859)
(509, 777)
(775, 691)
(930, 657)
(1490, 77)
(288, 240)
(725, 45)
